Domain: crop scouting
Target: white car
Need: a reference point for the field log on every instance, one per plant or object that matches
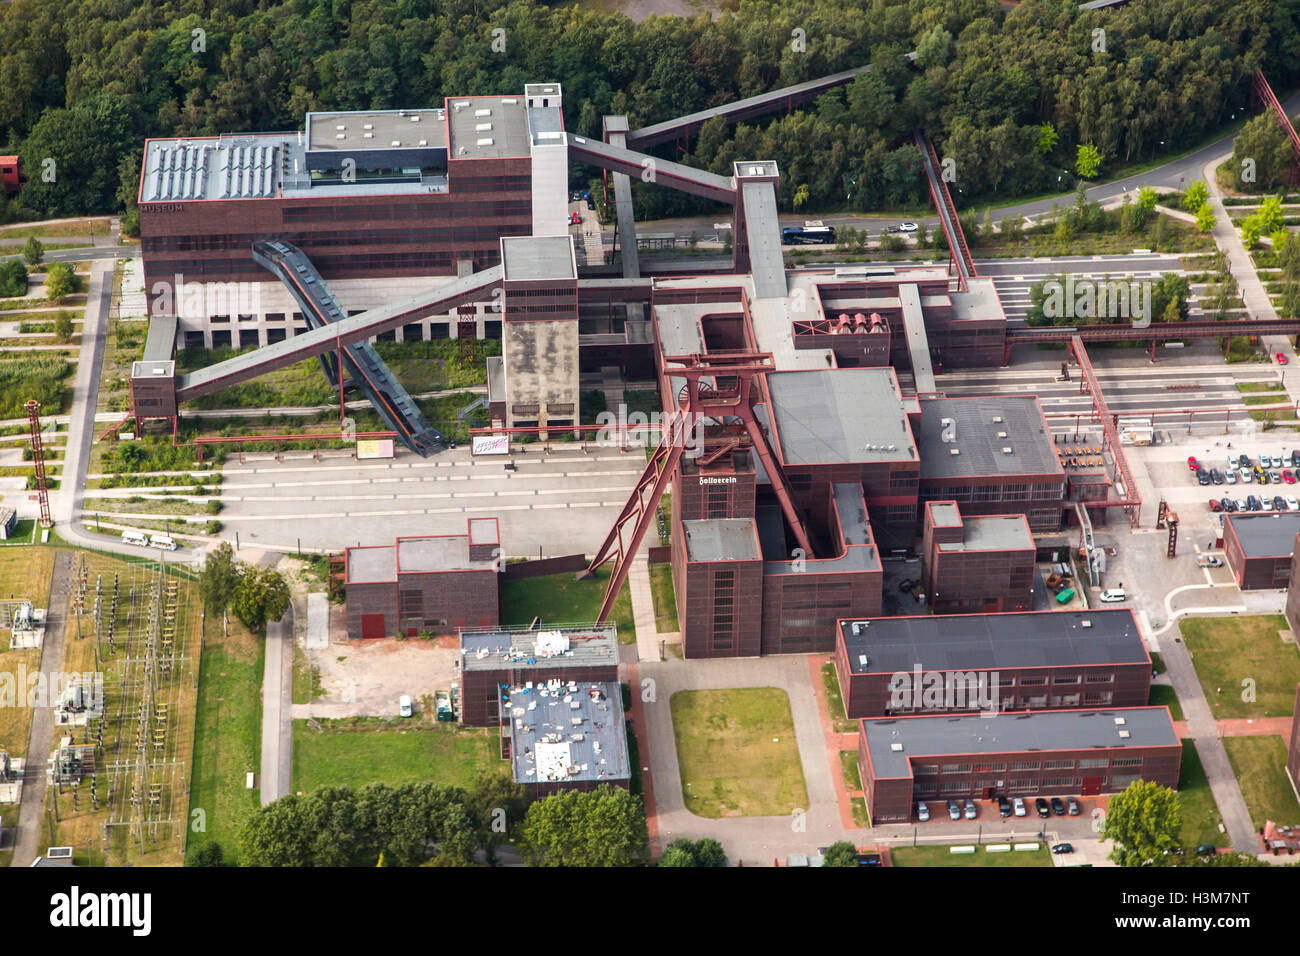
(908, 227)
(922, 812)
(1246, 475)
(404, 707)
(1230, 476)
(1018, 806)
(1291, 503)
(1113, 596)
(1209, 561)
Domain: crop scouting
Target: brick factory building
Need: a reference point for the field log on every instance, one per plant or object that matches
(1259, 548)
(436, 583)
(1293, 754)
(1037, 754)
(1039, 660)
(381, 201)
(555, 695)
(976, 564)
(1293, 587)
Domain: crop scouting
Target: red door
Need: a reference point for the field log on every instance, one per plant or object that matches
(1091, 786)
(372, 626)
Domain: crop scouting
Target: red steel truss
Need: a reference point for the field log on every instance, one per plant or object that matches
(717, 386)
(1131, 497)
(1261, 91)
(38, 461)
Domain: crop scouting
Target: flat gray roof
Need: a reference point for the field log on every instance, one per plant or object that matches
(840, 415)
(513, 647)
(537, 257)
(369, 564)
(1043, 731)
(377, 129)
(979, 301)
(993, 533)
(851, 510)
(496, 378)
(722, 539)
(546, 126)
(763, 230)
(979, 438)
(160, 343)
(1265, 535)
(487, 127)
(918, 342)
(941, 642)
(567, 732)
(944, 514)
(440, 553)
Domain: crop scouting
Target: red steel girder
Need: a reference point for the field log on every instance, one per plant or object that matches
(38, 461)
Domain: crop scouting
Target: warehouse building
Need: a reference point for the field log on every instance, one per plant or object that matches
(555, 695)
(1008, 662)
(1293, 754)
(976, 564)
(1259, 547)
(1035, 754)
(385, 203)
(435, 583)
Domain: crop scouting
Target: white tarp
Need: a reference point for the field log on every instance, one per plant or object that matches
(490, 445)
(553, 761)
(551, 643)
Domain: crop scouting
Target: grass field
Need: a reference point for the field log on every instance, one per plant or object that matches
(1260, 766)
(665, 600)
(1200, 812)
(306, 678)
(1164, 694)
(353, 754)
(834, 701)
(23, 574)
(228, 735)
(737, 752)
(939, 856)
(1229, 650)
(853, 781)
(560, 599)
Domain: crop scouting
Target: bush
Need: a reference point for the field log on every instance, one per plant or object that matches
(212, 527)
(61, 281)
(214, 507)
(13, 279)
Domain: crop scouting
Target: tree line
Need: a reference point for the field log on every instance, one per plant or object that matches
(1009, 96)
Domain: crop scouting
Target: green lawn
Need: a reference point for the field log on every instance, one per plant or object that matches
(560, 599)
(1157, 663)
(834, 701)
(737, 752)
(360, 751)
(1164, 694)
(306, 678)
(665, 600)
(1260, 766)
(849, 768)
(1228, 650)
(227, 737)
(939, 856)
(1200, 812)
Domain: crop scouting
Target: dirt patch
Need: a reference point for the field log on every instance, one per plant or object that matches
(366, 678)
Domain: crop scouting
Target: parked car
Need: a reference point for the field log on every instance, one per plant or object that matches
(1245, 474)
(1291, 503)
(1275, 476)
(1216, 476)
(1192, 464)
(972, 811)
(1233, 462)
(404, 707)
(1230, 476)
(1229, 504)
(1279, 503)
(908, 227)
(1113, 596)
(1206, 849)
(1062, 848)
(1058, 807)
(1241, 505)
(1018, 805)
(1253, 503)
(1004, 807)
(1295, 458)
(1215, 504)
(1209, 561)
(954, 810)
(1042, 808)
(575, 219)
(922, 812)
(1203, 476)
(1281, 358)
(1288, 476)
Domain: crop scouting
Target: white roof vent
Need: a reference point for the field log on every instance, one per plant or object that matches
(954, 451)
(1008, 450)
(415, 118)
(482, 112)
(396, 142)
(341, 126)
(510, 101)
(424, 142)
(896, 748)
(368, 135)
(997, 419)
(485, 142)
(59, 853)
(1120, 721)
(482, 127)
(1002, 434)
(341, 136)
(1124, 734)
(1085, 623)
(368, 126)
(863, 660)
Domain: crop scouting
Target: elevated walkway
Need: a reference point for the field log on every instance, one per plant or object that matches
(395, 406)
(618, 159)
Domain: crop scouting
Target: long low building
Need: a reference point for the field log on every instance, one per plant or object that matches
(967, 662)
(1259, 546)
(1034, 754)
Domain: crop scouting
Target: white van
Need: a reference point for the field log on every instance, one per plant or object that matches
(136, 538)
(162, 541)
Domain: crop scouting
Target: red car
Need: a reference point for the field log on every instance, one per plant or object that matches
(1288, 476)
(1191, 463)
(1215, 505)
(575, 219)
(1281, 358)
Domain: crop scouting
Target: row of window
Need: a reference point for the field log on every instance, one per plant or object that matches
(1084, 763)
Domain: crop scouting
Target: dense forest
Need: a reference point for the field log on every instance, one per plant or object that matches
(1008, 95)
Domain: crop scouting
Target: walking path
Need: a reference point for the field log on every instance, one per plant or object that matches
(277, 703)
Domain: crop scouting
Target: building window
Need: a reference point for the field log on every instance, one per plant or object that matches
(1094, 763)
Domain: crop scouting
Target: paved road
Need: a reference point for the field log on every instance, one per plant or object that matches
(277, 703)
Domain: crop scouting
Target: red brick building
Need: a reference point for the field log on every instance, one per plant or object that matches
(976, 564)
(436, 583)
(1028, 661)
(1259, 548)
(1034, 754)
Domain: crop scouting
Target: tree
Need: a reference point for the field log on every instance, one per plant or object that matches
(1205, 218)
(1144, 821)
(1261, 155)
(605, 827)
(33, 251)
(1088, 161)
(206, 854)
(63, 326)
(934, 48)
(219, 579)
(1196, 195)
(800, 197)
(841, 853)
(13, 278)
(1250, 232)
(1146, 198)
(683, 852)
(1046, 138)
(60, 281)
(261, 595)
